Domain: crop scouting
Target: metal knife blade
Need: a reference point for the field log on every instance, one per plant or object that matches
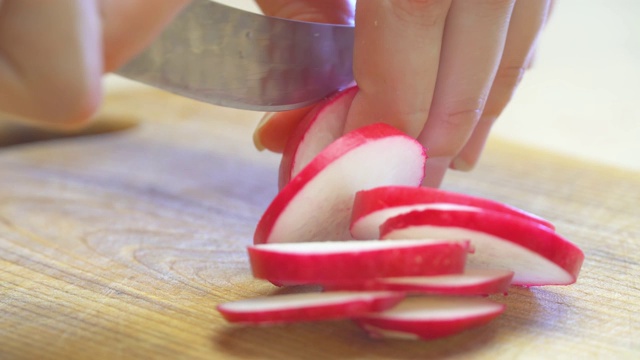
(225, 56)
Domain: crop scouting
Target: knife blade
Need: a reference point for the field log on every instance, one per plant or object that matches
(233, 58)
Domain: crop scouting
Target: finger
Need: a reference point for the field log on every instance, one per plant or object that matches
(326, 11)
(396, 57)
(526, 22)
(130, 25)
(550, 7)
(532, 58)
(274, 129)
(472, 46)
(50, 60)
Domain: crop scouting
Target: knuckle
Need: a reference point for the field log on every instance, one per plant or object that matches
(463, 114)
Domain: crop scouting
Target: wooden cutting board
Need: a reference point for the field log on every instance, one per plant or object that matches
(121, 244)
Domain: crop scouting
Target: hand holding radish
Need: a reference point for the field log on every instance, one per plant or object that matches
(441, 71)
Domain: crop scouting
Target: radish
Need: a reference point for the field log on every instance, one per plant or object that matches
(316, 204)
(430, 317)
(308, 306)
(319, 128)
(471, 282)
(369, 179)
(322, 262)
(373, 207)
(536, 254)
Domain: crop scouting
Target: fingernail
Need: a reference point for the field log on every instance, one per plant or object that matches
(461, 165)
(257, 142)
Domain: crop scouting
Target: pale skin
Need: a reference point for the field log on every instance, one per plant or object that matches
(440, 70)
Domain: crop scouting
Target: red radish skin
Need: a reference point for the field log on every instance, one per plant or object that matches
(333, 261)
(316, 205)
(471, 282)
(291, 308)
(536, 254)
(430, 318)
(373, 207)
(323, 125)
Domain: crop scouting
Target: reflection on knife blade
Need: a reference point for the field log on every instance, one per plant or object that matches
(233, 58)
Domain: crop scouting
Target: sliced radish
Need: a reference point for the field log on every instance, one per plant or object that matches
(430, 317)
(332, 261)
(308, 307)
(323, 125)
(471, 282)
(317, 203)
(374, 206)
(536, 254)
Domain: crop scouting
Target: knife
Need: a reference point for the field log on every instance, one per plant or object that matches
(229, 57)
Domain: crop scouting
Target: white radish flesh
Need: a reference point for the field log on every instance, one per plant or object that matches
(323, 125)
(430, 317)
(373, 207)
(308, 306)
(335, 261)
(316, 205)
(471, 282)
(367, 227)
(536, 254)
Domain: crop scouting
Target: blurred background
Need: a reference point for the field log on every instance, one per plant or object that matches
(582, 95)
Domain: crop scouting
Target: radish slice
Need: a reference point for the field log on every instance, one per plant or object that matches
(373, 207)
(308, 307)
(430, 317)
(332, 261)
(471, 282)
(317, 203)
(323, 125)
(536, 254)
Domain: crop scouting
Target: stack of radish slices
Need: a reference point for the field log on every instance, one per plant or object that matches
(398, 259)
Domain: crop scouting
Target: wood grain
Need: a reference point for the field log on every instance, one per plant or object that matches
(120, 245)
